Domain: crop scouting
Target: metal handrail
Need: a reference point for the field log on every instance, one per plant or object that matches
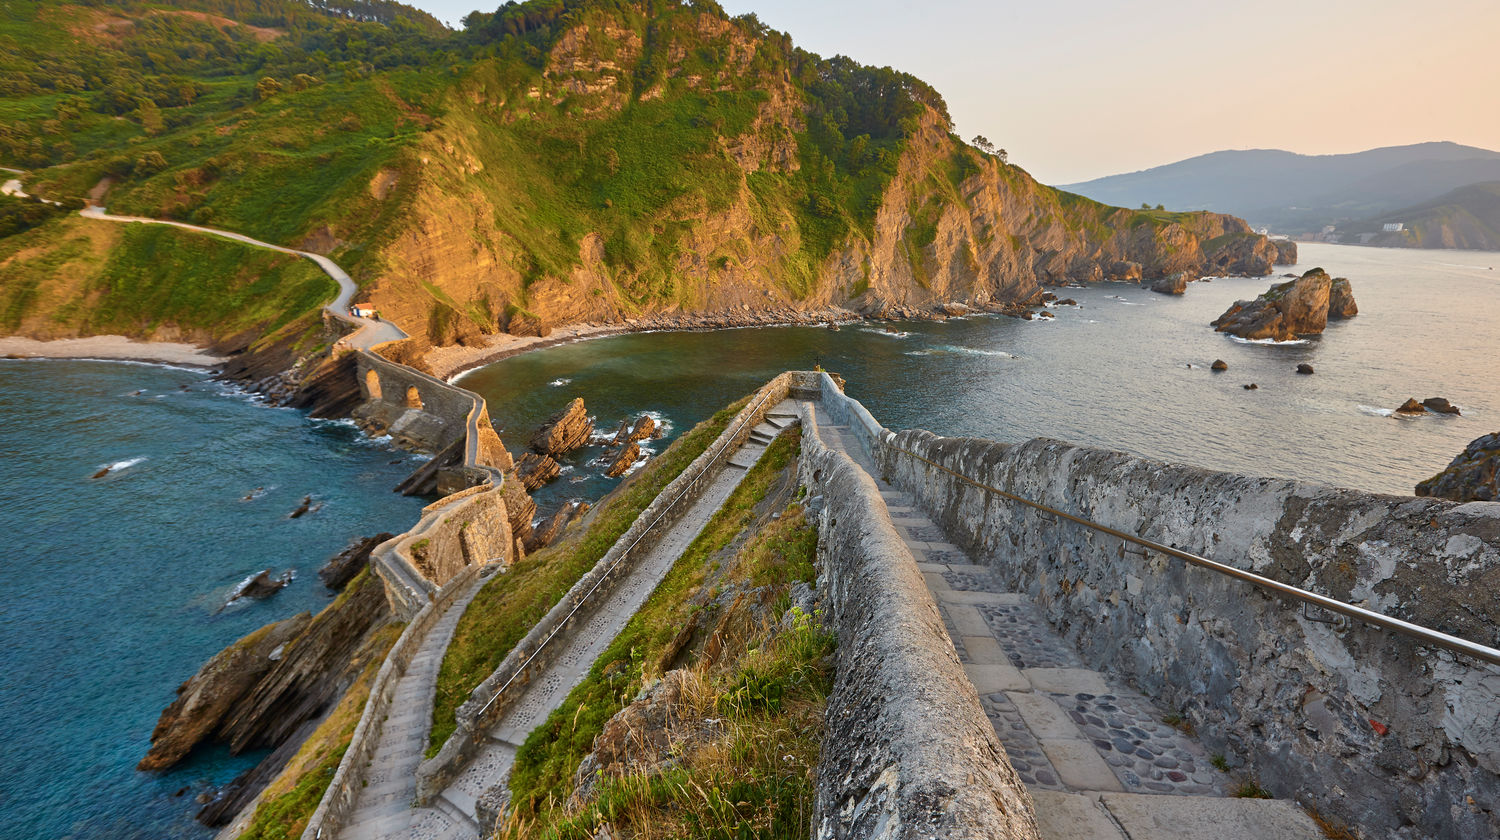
(1416, 631)
(692, 482)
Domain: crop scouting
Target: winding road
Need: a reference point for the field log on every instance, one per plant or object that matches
(370, 332)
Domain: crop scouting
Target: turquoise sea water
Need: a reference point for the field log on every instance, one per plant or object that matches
(111, 589)
(1113, 372)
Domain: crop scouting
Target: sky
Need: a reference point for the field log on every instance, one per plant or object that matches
(1078, 89)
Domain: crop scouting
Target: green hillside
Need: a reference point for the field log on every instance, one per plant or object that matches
(569, 159)
(1468, 217)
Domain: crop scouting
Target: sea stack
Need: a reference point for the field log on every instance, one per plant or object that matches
(1288, 310)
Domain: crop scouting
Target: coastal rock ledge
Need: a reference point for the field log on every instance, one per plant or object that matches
(1291, 309)
(1474, 476)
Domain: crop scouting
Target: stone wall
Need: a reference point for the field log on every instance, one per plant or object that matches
(489, 701)
(342, 793)
(468, 528)
(908, 750)
(1367, 727)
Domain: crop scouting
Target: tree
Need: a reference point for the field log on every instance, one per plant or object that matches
(150, 163)
(983, 144)
(150, 116)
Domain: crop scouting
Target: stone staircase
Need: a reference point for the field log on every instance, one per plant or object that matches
(1099, 760)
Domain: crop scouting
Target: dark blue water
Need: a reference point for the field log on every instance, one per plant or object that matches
(1113, 372)
(110, 589)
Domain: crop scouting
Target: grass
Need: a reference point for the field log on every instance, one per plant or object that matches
(511, 604)
(765, 687)
(288, 803)
(1251, 789)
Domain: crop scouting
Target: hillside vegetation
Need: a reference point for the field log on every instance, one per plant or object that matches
(570, 160)
(1468, 217)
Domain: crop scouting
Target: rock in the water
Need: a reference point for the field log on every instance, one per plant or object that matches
(1219, 364)
(565, 431)
(535, 470)
(342, 567)
(302, 508)
(1251, 387)
(1411, 406)
(1287, 310)
(207, 696)
(645, 427)
(261, 585)
(1439, 405)
(1286, 251)
(548, 532)
(1305, 369)
(1473, 476)
(1341, 300)
(1123, 271)
(624, 460)
(1174, 284)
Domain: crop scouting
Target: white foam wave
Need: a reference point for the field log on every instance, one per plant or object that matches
(1269, 341)
(1378, 412)
(886, 333)
(558, 383)
(117, 466)
(949, 349)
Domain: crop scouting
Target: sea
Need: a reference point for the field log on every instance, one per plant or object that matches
(113, 590)
(1125, 369)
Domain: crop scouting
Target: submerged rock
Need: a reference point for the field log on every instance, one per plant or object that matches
(565, 431)
(1288, 310)
(1251, 387)
(261, 586)
(1473, 476)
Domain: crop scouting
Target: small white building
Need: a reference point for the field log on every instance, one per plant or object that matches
(1393, 227)
(362, 311)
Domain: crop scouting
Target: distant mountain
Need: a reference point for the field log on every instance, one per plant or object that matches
(1292, 193)
(1468, 217)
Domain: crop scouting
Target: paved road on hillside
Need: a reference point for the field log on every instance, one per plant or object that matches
(370, 333)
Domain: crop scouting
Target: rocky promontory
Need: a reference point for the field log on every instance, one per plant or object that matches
(1291, 309)
(1473, 476)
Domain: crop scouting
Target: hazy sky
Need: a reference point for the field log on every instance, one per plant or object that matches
(1076, 89)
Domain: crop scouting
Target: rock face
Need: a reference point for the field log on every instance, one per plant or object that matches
(342, 567)
(565, 432)
(624, 459)
(1286, 251)
(527, 325)
(1440, 406)
(1175, 284)
(1287, 310)
(1411, 406)
(261, 586)
(1341, 300)
(1473, 476)
(207, 696)
(1123, 270)
(643, 737)
(535, 470)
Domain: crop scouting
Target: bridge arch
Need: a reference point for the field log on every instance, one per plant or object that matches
(372, 384)
(413, 398)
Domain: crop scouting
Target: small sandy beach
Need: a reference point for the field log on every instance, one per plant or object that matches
(448, 362)
(113, 347)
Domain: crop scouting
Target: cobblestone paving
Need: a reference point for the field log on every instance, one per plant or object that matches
(967, 581)
(1147, 755)
(1024, 635)
(1024, 750)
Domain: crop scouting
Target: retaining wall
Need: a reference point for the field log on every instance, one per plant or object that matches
(339, 800)
(477, 715)
(1368, 727)
(908, 751)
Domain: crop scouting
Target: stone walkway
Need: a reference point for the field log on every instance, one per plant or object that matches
(391, 784)
(452, 814)
(1097, 758)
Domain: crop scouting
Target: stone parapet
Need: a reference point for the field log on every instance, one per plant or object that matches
(1367, 726)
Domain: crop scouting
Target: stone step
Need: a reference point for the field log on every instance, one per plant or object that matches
(1136, 816)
